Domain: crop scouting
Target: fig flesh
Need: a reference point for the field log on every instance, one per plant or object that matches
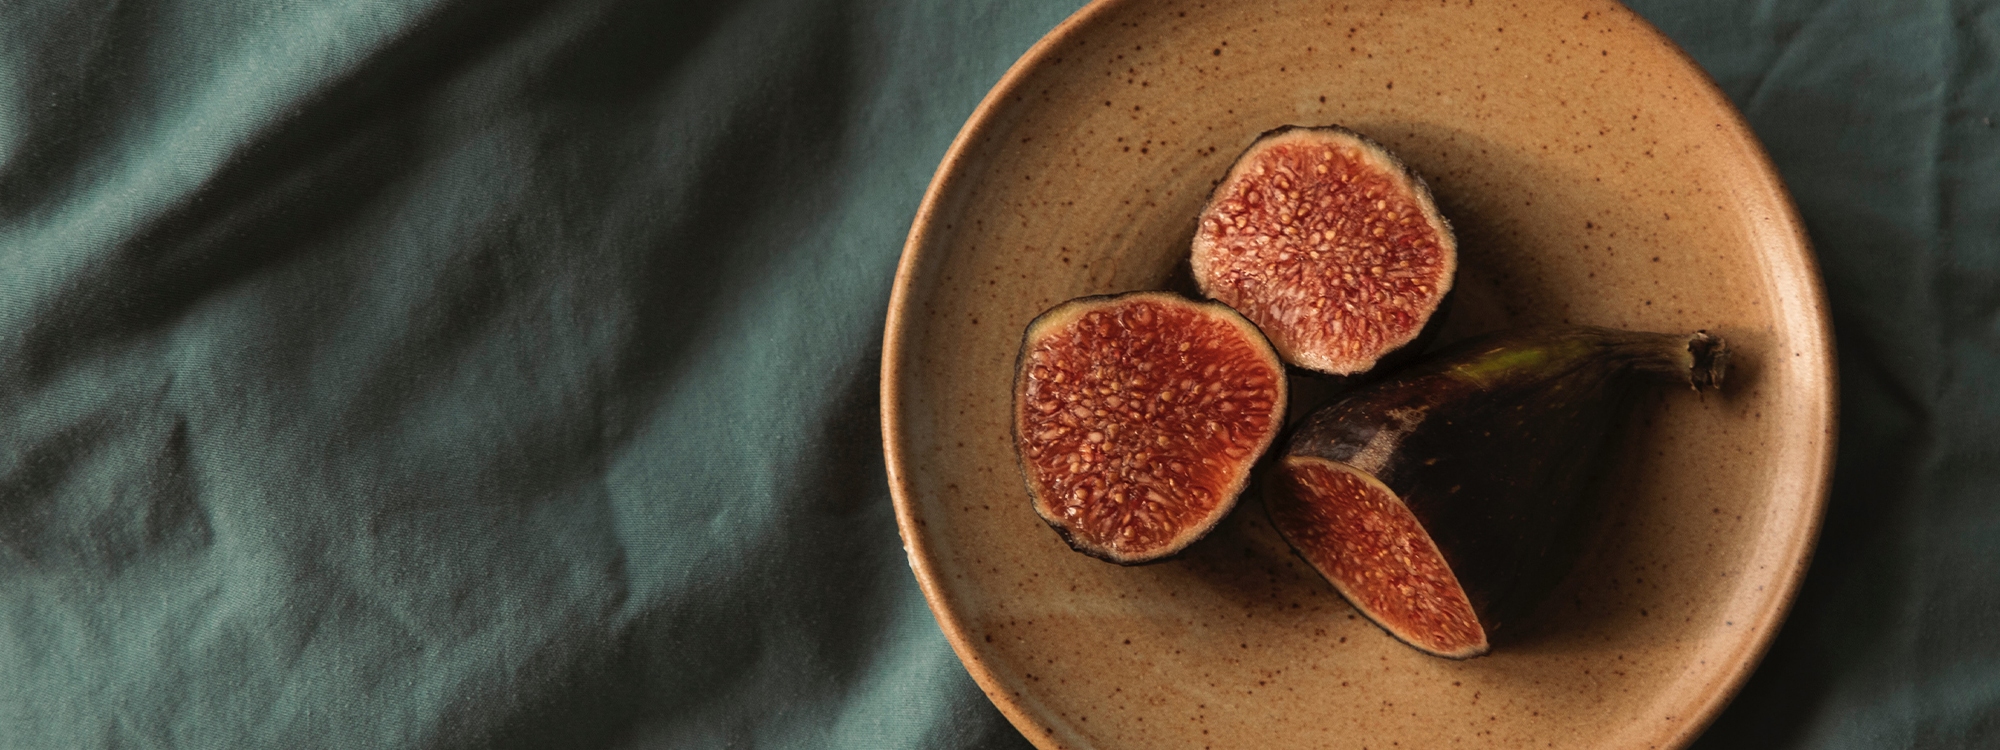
(1444, 502)
(1137, 418)
(1329, 244)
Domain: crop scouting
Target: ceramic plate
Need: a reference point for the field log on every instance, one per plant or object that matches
(1595, 175)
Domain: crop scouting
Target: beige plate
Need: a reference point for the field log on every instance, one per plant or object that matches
(1595, 175)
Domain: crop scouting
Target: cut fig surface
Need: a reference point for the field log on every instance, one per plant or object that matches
(1364, 541)
(1329, 244)
(1137, 418)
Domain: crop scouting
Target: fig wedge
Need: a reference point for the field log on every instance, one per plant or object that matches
(1329, 244)
(1137, 418)
(1444, 501)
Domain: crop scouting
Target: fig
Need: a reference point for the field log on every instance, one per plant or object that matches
(1137, 418)
(1329, 244)
(1445, 501)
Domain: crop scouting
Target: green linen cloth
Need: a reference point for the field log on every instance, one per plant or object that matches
(503, 374)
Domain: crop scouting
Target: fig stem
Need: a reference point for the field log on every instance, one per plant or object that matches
(1710, 360)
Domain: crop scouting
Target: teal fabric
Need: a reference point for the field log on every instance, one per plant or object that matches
(503, 374)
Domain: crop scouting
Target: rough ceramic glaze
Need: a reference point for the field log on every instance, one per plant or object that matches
(1594, 175)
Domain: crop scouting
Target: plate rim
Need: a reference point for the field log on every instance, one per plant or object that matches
(1811, 313)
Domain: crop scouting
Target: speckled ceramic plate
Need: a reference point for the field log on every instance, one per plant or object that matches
(1595, 176)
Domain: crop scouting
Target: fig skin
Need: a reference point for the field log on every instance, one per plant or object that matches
(1155, 444)
(1335, 294)
(1494, 445)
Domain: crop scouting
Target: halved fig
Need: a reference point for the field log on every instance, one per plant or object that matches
(1329, 244)
(1446, 501)
(1137, 418)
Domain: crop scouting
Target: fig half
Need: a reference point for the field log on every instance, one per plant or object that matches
(1445, 502)
(1137, 418)
(1329, 244)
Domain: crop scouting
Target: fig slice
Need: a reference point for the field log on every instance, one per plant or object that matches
(1329, 244)
(1375, 553)
(1460, 485)
(1137, 418)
